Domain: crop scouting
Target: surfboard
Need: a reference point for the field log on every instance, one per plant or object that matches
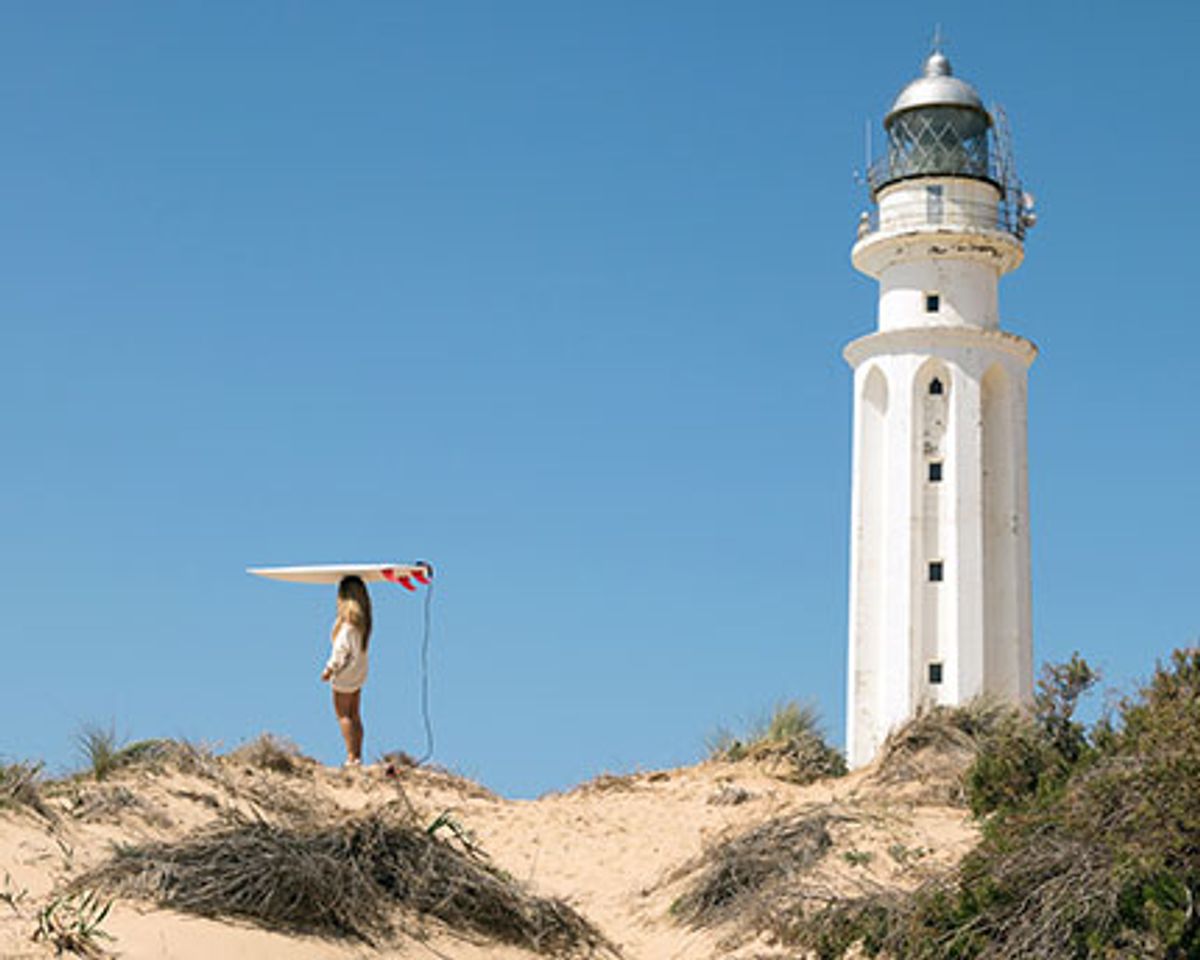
(404, 574)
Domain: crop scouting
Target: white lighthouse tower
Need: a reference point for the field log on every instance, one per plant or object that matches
(940, 584)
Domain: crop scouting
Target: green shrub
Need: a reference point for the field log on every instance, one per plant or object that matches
(71, 924)
(1092, 848)
(1032, 755)
(100, 750)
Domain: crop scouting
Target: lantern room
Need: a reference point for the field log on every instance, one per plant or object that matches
(937, 126)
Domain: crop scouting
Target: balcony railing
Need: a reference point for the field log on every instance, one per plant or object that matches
(932, 161)
(950, 213)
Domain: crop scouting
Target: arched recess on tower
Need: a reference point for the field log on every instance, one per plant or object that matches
(1002, 528)
(866, 650)
(931, 605)
(932, 384)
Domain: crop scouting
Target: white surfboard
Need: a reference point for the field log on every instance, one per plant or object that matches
(406, 575)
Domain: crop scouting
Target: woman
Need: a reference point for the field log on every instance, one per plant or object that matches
(346, 670)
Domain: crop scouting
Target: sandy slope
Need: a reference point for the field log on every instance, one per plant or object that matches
(613, 848)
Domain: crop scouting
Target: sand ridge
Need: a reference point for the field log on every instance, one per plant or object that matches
(617, 848)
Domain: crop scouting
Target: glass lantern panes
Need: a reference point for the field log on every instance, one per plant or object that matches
(938, 140)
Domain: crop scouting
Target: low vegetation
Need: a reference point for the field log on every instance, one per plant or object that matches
(104, 754)
(100, 750)
(939, 747)
(20, 788)
(270, 752)
(754, 873)
(1091, 840)
(349, 878)
(72, 924)
(789, 740)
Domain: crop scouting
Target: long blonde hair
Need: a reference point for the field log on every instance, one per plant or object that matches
(354, 607)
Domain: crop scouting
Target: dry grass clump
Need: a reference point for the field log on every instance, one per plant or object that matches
(155, 755)
(745, 876)
(20, 787)
(607, 783)
(271, 752)
(938, 746)
(343, 879)
(398, 764)
(110, 802)
(104, 754)
(729, 795)
(789, 742)
(197, 759)
(100, 750)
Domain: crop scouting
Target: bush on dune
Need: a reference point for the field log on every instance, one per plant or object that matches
(1091, 845)
(270, 752)
(104, 754)
(790, 737)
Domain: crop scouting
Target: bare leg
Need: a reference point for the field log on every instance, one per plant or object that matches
(346, 706)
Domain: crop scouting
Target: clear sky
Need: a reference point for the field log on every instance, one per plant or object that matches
(554, 295)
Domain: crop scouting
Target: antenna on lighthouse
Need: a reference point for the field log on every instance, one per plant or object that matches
(939, 41)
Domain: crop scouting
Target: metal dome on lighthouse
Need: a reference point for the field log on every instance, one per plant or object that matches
(938, 125)
(940, 575)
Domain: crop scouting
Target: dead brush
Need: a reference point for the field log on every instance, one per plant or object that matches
(186, 756)
(938, 746)
(274, 753)
(737, 877)
(350, 878)
(111, 802)
(20, 787)
(398, 764)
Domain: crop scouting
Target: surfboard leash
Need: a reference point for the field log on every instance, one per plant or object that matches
(424, 576)
(427, 630)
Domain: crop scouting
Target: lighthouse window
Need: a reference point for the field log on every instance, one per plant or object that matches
(933, 302)
(935, 672)
(935, 471)
(936, 571)
(936, 389)
(933, 203)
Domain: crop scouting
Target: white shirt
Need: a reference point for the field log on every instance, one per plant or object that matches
(348, 660)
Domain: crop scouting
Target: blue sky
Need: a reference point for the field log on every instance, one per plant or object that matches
(554, 295)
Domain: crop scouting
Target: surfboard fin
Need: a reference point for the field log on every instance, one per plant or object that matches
(403, 580)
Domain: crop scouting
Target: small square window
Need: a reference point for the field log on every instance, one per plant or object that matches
(933, 302)
(935, 471)
(937, 572)
(933, 202)
(935, 672)
(936, 389)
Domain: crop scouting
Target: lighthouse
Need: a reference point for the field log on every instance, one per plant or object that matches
(940, 571)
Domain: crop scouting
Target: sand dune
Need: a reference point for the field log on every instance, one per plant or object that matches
(617, 849)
